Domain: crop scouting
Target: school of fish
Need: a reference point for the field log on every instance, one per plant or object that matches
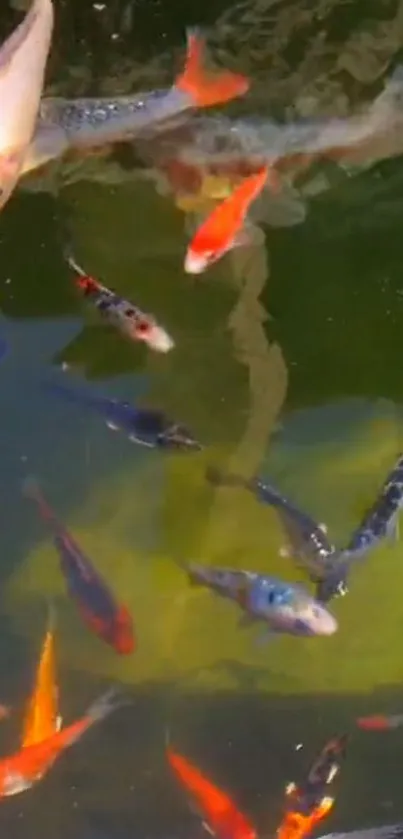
(35, 129)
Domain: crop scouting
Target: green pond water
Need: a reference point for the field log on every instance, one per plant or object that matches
(288, 361)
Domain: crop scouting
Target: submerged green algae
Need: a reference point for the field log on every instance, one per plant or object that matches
(187, 633)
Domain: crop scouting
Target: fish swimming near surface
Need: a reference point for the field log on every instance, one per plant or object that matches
(144, 426)
(380, 722)
(42, 718)
(22, 770)
(90, 122)
(242, 146)
(283, 607)
(129, 319)
(23, 58)
(224, 228)
(96, 603)
(221, 815)
(309, 802)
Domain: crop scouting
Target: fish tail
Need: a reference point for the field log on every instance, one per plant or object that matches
(105, 704)
(83, 280)
(204, 88)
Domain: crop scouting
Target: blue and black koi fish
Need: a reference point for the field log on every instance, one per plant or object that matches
(95, 602)
(146, 427)
(283, 607)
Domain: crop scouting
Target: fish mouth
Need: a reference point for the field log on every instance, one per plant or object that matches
(178, 437)
(159, 340)
(317, 621)
(194, 264)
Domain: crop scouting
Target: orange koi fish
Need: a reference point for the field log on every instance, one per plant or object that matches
(380, 722)
(222, 230)
(307, 804)
(21, 770)
(221, 814)
(42, 719)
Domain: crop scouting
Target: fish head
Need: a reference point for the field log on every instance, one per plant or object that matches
(177, 436)
(312, 618)
(289, 608)
(199, 258)
(147, 330)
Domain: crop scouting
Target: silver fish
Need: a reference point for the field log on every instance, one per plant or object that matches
(90, 122)
(23, 59)
(284, 607)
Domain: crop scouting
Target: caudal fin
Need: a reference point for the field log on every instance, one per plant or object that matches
(207, 88)
(105, 704)
(378, 722)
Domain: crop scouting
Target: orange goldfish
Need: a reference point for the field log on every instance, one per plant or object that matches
(23, 769)
(41, 718)
(221, 814)
(222, 229)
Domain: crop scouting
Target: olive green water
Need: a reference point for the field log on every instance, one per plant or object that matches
(288, 361)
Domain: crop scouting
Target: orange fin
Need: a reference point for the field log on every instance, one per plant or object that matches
(207, 88)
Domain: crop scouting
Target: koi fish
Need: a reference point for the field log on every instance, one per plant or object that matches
(308, 544)
(146, 427)
(132, 321)
(42, 718)
(23, 58)
(22, 770)
(380, 722)
(94, 600)
(223, 228)
(87, 123)
(222, 817)
(381, 520)
(283, 607)
(307, 804)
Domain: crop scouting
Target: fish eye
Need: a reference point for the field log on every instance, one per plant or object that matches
(271, 597)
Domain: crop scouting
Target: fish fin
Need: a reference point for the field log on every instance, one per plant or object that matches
(111, 425)
(393, 530)
(59, 722)
(105, 704)
(205, 88)
(323, 527)
(207, 828)
(248, 235)
(285, 552)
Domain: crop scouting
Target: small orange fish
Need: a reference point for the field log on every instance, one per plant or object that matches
(41, 719)
(21, 770)
(221, 814)
(379, 722)
(222, 229)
